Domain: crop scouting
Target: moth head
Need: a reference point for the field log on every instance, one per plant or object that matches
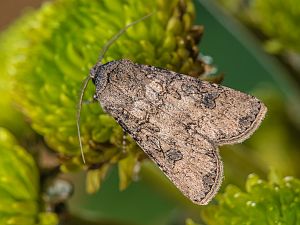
(99, 74)
(94, 71)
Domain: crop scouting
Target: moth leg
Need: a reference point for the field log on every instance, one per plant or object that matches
(124, 143)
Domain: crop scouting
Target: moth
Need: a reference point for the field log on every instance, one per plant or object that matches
(179, 121)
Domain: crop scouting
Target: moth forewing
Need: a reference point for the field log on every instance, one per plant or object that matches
(178, 120)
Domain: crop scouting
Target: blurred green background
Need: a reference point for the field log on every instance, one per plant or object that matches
(238, 52)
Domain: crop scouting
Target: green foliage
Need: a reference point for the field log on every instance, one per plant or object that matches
(278, 20)
(19, 186)
(10, 117)
(264, 202)
(53, 50)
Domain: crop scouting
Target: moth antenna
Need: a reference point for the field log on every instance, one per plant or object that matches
(117, 35)
(84, 86)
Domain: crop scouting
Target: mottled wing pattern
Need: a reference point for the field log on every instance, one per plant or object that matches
(178, 121)
(223, 115)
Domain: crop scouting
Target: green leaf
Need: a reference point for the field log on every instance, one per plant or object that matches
(264, 202)
(128, 169)
(95, 178)
(19, 185)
